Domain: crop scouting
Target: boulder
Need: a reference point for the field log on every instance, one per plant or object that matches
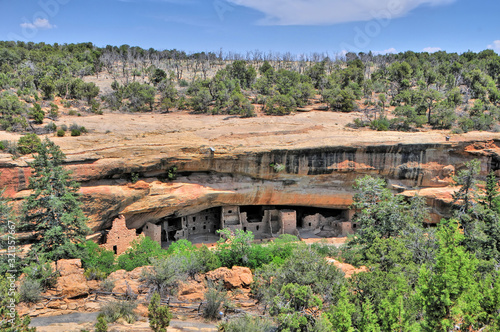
(191, 291)
(136, 273)
(122, 286)
(117, 275)
(124, 280)
(69, 266)
(237, 277)
(139, 185)
(71, 283)
(244, 274)
(92, 306)
(348, 269)
(71, 286)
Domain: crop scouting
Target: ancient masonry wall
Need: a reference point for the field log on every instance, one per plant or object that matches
(288, 221)
(119, 237)
(230, 216)
(207, 221)
(255, 227)
(346, 228)
(153, 231)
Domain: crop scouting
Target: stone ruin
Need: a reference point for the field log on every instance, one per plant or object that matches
(262, 221)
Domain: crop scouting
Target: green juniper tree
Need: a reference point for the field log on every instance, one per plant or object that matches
(53, 209)
(369, 321)
(448, 293)
(465, 198)
(159, 316)
(491, 189)
(341, 315)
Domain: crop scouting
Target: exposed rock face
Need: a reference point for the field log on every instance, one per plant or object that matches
(191, 291)
(72, 282)
(128, 281)
(317, 176)
(348, 269)
(237, 277)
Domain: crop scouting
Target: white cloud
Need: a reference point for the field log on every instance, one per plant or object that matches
(391, 50)
(432, 49)
(326, 12)
(495, 46)
(39, 23)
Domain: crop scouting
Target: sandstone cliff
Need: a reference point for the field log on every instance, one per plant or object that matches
(315, 169)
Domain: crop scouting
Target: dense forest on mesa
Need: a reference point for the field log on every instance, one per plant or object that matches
(406, 91)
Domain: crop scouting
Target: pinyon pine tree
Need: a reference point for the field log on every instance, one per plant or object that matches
(53, 210)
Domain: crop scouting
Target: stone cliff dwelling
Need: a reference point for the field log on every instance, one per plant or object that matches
(262, 221)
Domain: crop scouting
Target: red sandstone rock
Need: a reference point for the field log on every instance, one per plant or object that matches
(191, 291)
(235, 278)
(139, 185)
(117, 275)
(124, 286)
(348, 269)
(69, 266)
(73, 285)
(125, 280)
(142, 310)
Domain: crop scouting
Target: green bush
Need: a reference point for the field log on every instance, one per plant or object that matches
(195, 260)
(115, 310)
(54, 111)
(108, 284)
(10, 147)
(75, 132)
(101, 325)
(234, 249)
(200, 101)
(51, 127)
(277, 167)
(165, 274)
(37, 113)
(304, 266)
(13, 112)
(97, 258)
(215, 298)
(247, 323)
(9, 323)
(340, 100)
(159, 316)
(75, 126)
(140, 254)
(294, 307)
(381, 124)
(94, 274)
(325, 249)
(29, 143)
(30, 290)
(42, 272)
(61, 133)
(280, 105)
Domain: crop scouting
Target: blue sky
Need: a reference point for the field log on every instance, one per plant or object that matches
(297, 26)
